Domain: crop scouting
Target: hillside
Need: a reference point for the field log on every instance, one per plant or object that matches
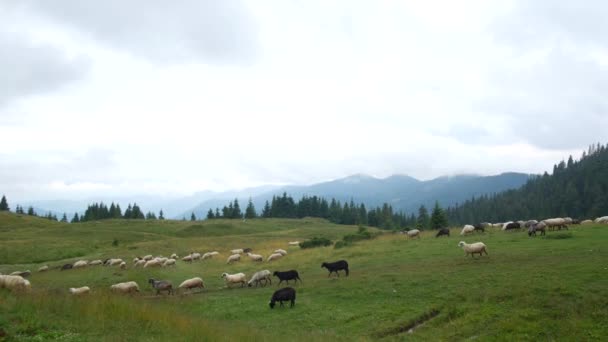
(576, 188)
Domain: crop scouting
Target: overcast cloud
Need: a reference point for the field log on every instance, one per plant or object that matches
(128, 97)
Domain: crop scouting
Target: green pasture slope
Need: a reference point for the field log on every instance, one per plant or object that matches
(535, 289)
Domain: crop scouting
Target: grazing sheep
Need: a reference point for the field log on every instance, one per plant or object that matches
(568, 220)
(123, 265)
(79, 291)
(413, 233)
(274, 256)
(148, 257)
(196, 256)
(247, 250)
(214, 253)
(169, 262)
(479, 228)
(283, 295)
(258, 277)
(43, 268)
(80, 264)
(255, 257)
(558, 222)
(126, 287)
(113, 262)
(136, 259)
(281, 251)
(192, 283)
(294, 243)
(603, 219)
(153, 263)
(287, 276)
(497, 225)
(335, 267)
(162, 260)
(22, 274)
(141, 263)
(174, 256)
(95, 263)
(467, 229)
(237, 251)
(540, 226)
(511, 225)
(586, 221)
(187, 258)
(443, 231)
(504, 225)
(474, 248)
(234, 278)
(486, 224)
(14, 283)
(66, 267)
(233, 258)
(530, 223)
(161, 285)
(207, 256)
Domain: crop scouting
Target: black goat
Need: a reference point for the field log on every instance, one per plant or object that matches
(287, 276)
(283, 295)
(335, 267)
(161, 285)
(443, 231)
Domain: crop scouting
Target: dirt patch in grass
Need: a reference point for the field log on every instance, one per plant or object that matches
(409, 327)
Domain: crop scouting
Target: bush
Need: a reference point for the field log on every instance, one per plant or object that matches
(316, 242)
(362, 234)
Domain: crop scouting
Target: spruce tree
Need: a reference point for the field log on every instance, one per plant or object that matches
(236, 210)
(423, 218)
(160, 215)
(192, 217)
(31, 212)
(266, 211)
(217, 213)
(210, 214)
(438, 217)
(4, 204)
(250, 210)
(75, 219)
(64, 218)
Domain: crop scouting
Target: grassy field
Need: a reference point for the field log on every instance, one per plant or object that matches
(552, 288)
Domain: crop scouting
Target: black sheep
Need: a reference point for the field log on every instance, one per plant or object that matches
(479, 227)
(513, 225)
(287, 276)
(443, 231)
(335, 267)
(283, 295)
(247, 250)
(66, 267)
(161, 285)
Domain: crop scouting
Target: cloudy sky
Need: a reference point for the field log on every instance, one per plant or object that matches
(154, 97)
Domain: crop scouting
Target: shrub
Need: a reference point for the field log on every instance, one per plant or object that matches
(362, 234)
(316, 242)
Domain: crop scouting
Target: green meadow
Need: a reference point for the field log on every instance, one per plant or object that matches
(527, 289)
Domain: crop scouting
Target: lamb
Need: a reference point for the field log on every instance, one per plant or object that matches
(192, 283)
(281, 251)
(467, 229)
(540, 226)
(126, 287)
(274, 256)
(80, 264)
(287, 276)
(22, 274)
(283, 295)
(258, 277)
(294, 243)
(233, 258)
(79, 291)
(153, 263)
(43, 268)
(474, 248)
(187, 258)
(141, 263)
(95, 262)
(255, 257)
(169, 262)
(443, 231)
(335, 267)
(14, 283)
(413, 233)
(161, 285)
(237, 251)
(234, 278)
(123, 265)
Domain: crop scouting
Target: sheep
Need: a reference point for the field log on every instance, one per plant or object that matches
(187, 258)
(568, 220)
(196, 256)
(43, 268)
(511, 225)
(294, 243)
(556, 222)
(274, 256)
(281, 251)
(79, 291)
(207, 256)
(335, 267)
(153, 263)
(413, 233)
(123, 265)
(283, 295)
(141, 262)
(504, 225)
(14, 283)
(473, 248)
(237, 251)
(148, 257)
(530, 223)
(234, 278)
(126, 287)
(258, 277)
(486, 224)
(255, 257)
(66, 267)
(540, 226)
(22, 274)
(174, 256)
(95, 263)
(233, 257)
(169, 262)
(162, 260)
(192, 283)
(603, 219)
(161, 285)
(586, 221)
(214, 253)
(467, 229)
(287, 276)
(497, 225)
(247, 250)
(136, 259)
(443, 231)
(479, 228)
(113, 262)
(80, 264)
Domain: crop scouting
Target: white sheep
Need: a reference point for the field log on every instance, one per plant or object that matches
(237, 251)
(467, 229)
(586, 221)
(139, 263)
(114, 262)
(234, 278)
(413, 233)
(255, 257)
(196, 256)
(555, 222)
(162, 259)
(80, 264)
(169, 262)
(22, 274)
(192, 284)
(136, 259)
(257, 277)
(473, 248)
(294, 243)
(233, 258)
(78, 291)
(126, 287)
(148, 257)
(123, 265)
(603, 219)
(214, 253)
(187, 258)
(153, 263)
(281, 251)
(14, 283)
(174, 256)
(274, 256)
(207, 256)
(504, 225)
(95, 263)
(43, 268)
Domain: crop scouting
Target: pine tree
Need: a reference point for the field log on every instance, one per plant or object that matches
(236, 210)
(438, 218)
(160, 215)
(250, 210)
(422, 221)
(64, 218)
(210, 214)
(31, 212)
(217, 213)
(192, 217)
(4, 204)
(266, 211)
(150, 216)
(75, 219)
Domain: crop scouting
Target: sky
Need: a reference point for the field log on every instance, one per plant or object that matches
(169, 98)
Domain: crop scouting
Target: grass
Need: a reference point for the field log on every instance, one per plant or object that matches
(543, 288)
